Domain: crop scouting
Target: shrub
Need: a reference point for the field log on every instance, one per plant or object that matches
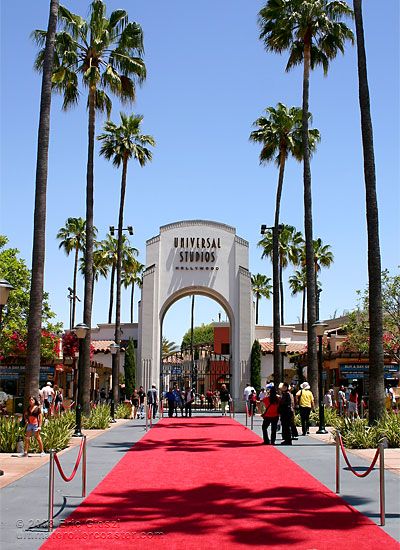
(389, 427)
(99, 418)
(56, 433)
(123, 411)
(10, 431)
(330, 415)
(356, 434)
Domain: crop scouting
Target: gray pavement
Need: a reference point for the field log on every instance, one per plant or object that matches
(24, 503)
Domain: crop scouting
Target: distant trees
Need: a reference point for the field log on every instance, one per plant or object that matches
(202, 335)
(261, 285)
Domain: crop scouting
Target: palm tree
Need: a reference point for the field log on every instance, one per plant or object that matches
(108, 251)
(376, 371)
(73, 237)
(290, 243)
(130, 277)
(297, 284)
(280, 134)
(107, 54)
(323, 257)
(314, 32)
(168, 347)
(100, 265)
(32, 371)
(121, 144)
(261, 285)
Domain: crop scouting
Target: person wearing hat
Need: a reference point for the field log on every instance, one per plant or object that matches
(48, 397)
(305, 401)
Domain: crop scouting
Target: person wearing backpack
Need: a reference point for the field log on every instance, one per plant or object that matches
(270, 416)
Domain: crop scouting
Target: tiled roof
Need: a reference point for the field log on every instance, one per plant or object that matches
(103, 346)
(292, 347)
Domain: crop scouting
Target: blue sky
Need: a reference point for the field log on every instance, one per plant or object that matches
(208, 80)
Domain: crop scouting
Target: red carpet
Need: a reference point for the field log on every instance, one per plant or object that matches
(207, 483)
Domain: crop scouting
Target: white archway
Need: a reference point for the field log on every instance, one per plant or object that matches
(196, 257)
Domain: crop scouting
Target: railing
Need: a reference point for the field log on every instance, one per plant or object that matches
(55, 460)
(380, 452)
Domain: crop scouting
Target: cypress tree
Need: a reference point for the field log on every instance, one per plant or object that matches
(255, 365)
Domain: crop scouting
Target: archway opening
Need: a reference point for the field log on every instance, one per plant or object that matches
(196, 343)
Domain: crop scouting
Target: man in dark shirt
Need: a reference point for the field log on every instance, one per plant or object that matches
(142, 395)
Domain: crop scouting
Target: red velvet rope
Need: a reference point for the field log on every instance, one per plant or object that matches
(349, 465)
(71, 477)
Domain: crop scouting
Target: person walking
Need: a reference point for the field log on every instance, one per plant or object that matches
(341, 400)
(34, 418)
(142, 395)
(305, 401)
(170, 397)
(189, 398)
(179, 401)
(270, 416)
(353, 404)
(152, 399)
(48, 397)
(226, 398)
(134, 404)
(286, 414)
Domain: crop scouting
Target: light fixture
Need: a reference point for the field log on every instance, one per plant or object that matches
(320, 327)
(5, 289)
(81, 330)
(114, 348)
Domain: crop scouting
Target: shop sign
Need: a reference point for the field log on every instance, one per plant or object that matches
(13, 372)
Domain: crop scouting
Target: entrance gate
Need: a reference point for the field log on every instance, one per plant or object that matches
(196, 257)
(203, 375)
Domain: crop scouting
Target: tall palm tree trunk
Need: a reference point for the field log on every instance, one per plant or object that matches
(275, 273)
(281, 291)
(303, 309)
(110, 307)
(312, 366)
(84, 373)
(376, 357)
(32, 372)
(74, 286)
(117, 336)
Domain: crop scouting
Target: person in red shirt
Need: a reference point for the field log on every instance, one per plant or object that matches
(271, 416)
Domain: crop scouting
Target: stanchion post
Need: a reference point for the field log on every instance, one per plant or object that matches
(247, 412)
(382, 446)
(84, 467)
(51, 491)
(146, 413)
(251, 418)
(151, 415)
(337, 462)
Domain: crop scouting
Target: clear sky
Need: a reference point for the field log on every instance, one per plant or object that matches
(208, 80)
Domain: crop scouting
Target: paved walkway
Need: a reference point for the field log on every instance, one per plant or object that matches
(24, 496)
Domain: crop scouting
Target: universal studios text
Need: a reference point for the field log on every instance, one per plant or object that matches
(197, 249)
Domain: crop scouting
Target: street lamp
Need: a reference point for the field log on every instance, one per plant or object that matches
(5, 289)
(114, 348)
(282, 348)
(80, 331)
(129, 229)
(320, 327)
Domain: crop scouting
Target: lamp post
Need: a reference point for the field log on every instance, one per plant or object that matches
(80, 331)
(114, 348)
(5, 289)
(276, 318)
(320, 327)
(282, 348)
